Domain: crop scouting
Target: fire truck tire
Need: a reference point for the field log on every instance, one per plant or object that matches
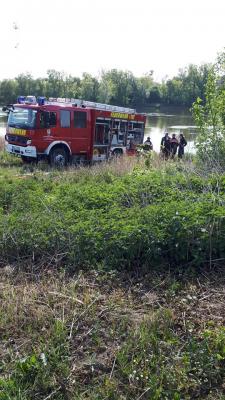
(117, 152)
(59, 156)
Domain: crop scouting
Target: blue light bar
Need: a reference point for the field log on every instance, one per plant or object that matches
(21, 99)
(41, 101)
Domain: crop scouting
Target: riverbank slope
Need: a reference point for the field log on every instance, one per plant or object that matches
(112, 281)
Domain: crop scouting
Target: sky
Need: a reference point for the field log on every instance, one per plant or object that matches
(77, 36)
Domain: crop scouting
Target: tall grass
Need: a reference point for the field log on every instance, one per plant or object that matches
(110, 336)
(2, 143)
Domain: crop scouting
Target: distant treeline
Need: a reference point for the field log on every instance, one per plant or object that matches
(112, 87)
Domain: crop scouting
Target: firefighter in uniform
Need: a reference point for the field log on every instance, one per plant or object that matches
(182, 144)
(166, 146)
(148, 144)
(174, 145)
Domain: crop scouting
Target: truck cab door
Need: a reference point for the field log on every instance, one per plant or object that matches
(81, 133)
(47, 126)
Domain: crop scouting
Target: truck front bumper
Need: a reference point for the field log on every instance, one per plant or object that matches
(29, 151)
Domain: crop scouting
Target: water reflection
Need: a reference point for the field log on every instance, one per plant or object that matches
(174, 121)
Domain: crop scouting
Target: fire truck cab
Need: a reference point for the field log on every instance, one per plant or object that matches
(65, 130)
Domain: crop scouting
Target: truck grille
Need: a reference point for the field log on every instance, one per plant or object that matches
(17, 139)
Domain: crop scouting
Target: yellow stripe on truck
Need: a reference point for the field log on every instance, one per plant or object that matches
(17, 131)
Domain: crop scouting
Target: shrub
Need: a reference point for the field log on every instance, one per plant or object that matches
(144, 218)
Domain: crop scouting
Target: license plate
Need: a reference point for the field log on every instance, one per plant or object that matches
(16, 149)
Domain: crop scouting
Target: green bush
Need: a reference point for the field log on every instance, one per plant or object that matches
(144, 218)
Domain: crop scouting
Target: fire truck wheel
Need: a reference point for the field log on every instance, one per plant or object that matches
(59, 157)
(117, 152)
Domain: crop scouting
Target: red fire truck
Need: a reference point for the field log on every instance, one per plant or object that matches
(64, 130)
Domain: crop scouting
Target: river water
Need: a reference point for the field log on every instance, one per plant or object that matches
(174, 120)
(171, 119)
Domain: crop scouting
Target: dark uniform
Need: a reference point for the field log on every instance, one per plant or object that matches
(174, 145)
(148, 144)
(166, 146)
(182, 144)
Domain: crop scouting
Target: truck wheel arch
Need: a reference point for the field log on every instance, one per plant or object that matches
(58, 143)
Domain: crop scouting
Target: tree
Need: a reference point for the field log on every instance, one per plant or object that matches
(116, 87)
(210, 117)
(25, 84)
(184, 88)
(55, 87)
(89, 87)
(8, 91)
(113, 86)
(146, 84)
(72, 87)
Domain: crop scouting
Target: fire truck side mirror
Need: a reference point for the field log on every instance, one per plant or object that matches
(8, 108)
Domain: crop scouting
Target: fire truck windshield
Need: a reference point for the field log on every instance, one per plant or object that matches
(22, 118)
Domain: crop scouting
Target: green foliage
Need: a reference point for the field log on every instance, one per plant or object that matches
(185, 88)
(141, 219)
(210, 118)
(113, 86)
(154, 360)
(39, 373)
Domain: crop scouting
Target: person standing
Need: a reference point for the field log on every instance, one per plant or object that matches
(182, 144)
(148, 144)
(174, 145)
(166, 146)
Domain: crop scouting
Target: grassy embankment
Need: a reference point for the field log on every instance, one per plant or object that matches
(112, 283)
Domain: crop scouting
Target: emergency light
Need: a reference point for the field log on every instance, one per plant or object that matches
(41, 100)
(26, 100)
(21, 99)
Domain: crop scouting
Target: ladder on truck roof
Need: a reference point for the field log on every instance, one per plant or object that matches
(90, 104)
